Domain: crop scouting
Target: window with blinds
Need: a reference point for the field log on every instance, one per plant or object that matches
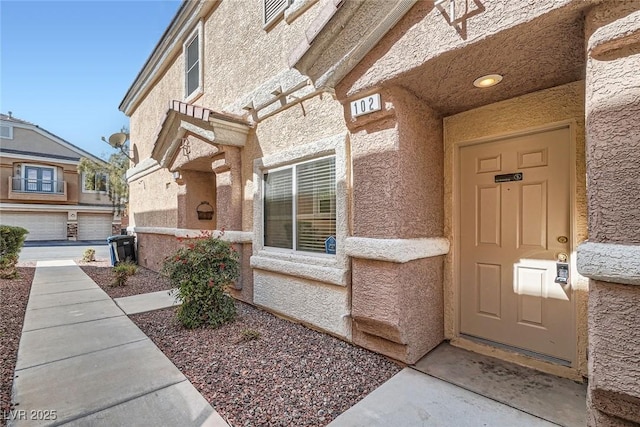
(300, 206)
(192, 76)
(273, 9)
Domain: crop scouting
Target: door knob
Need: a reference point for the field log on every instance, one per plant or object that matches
(562, 257)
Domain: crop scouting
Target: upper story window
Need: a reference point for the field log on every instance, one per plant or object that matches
(38, 179)
(273, 10)
(193, 63)
(300, 206)
(94, 182)
(6, 132)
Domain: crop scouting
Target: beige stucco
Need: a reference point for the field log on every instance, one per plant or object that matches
(240, 67)
(37, 142)
(391, 286)
(613, 181)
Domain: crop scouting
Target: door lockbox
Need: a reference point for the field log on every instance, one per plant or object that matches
(562, 273)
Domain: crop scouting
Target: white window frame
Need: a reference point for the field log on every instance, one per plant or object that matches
(294, 208)
(83, 177)
(197, 32)
(325, 268)
(23, 175)
(10, 132)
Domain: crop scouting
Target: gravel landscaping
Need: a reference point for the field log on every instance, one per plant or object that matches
(14, 295)
(144, 281)
(262, 370)
(259, 370)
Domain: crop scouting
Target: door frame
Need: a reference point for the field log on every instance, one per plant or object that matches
(544, 364)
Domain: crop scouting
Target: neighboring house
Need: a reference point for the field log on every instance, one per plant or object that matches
(42, 190)
(398, 173)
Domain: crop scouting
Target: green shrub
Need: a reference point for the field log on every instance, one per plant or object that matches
(11, 241)
(201, 271)
(89, 255)
(122, 272)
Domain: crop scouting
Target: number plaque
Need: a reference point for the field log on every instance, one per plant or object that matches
(366, 105)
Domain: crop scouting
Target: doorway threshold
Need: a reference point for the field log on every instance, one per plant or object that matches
(528, 353)
(554, 399)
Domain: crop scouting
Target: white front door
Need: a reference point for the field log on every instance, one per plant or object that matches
(512, 230)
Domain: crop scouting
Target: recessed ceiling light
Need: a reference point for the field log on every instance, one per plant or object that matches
(488, 80)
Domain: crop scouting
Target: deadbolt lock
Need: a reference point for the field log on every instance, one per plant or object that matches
(562, 239)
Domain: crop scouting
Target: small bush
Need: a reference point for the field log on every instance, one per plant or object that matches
(122, 272)
(89, 255)
(201, 271)
(249, 335)
(11, 241)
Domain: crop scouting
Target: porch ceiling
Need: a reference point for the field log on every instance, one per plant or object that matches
(546, 52)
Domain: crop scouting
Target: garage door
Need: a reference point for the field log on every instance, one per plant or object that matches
(94, 227)
(41, 226)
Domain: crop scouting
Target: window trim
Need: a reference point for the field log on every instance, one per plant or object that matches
(325, 268)
(294, 208)
(83, 179)
(279, 14)
(23, 176)
(10, 132)
(197, 32)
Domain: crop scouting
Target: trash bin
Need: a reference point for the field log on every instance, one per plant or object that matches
(122, 248)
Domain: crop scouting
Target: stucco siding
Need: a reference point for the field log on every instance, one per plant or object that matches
(323, 306)
(31, 141)
(404, 48)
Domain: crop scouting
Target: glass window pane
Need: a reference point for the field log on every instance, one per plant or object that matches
(192, 53)
(278, 205)
(316, 204)
(89, 181)
(47, 180)
(193, 80)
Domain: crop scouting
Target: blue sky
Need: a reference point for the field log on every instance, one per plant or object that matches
(66, 65)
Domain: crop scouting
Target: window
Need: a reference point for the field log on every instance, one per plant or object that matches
(94, 182)
(6, 132)
(39, 179)
(273, 10)
(300, 206)
(192, 58)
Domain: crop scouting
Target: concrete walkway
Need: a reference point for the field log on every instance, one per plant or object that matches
(82, 362)
(142, 303)
(411, 398)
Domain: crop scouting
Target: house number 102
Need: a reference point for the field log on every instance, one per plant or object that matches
(366, 105)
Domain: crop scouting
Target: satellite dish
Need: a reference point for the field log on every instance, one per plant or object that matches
(117, 140)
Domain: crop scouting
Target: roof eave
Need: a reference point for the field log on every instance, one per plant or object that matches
(333, 26)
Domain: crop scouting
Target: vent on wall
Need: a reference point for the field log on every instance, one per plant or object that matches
(273, 9)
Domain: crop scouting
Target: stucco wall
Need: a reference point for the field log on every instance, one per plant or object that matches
(247, 63)
(323, 306)
(507, 117)
(613, 155)
(29, 140)
(404, 49)
(242, 59)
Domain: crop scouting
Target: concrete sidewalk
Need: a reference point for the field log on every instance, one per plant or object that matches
(82, 362)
